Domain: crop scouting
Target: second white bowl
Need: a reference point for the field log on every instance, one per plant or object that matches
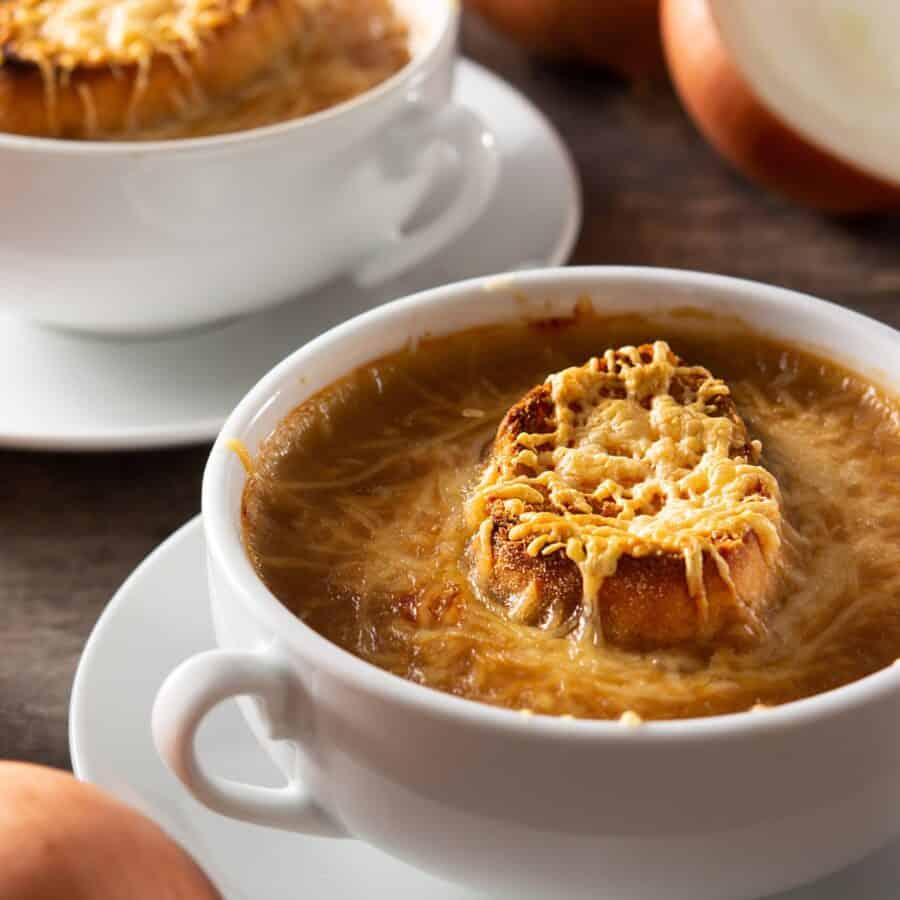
(137, 238)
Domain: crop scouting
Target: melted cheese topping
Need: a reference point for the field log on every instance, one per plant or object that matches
(70, 33)
(629, 469)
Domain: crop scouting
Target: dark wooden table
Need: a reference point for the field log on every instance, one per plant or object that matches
(73, 526)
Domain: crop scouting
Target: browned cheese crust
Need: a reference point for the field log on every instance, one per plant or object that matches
(646, 603)
(108, 99)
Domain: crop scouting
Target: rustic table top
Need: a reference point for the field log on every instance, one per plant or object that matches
(73, 526)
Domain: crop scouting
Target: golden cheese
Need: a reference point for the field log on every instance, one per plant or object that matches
(661, 470)
(66, 34)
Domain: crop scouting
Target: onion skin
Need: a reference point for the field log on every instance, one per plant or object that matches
(745, 132)
(60, 838)
(622, 35)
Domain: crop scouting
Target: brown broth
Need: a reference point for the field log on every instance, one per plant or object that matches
(348, 48)
(353, 518)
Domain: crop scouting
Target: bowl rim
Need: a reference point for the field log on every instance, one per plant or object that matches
(436, 38)
(226, 551)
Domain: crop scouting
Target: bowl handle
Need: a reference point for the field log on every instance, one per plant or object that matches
(453, 132)
(188, 694)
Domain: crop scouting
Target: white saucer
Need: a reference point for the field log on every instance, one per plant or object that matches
(159, 617)
(73, 392)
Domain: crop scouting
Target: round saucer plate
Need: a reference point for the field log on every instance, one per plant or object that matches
(159, 617)
(67, 391)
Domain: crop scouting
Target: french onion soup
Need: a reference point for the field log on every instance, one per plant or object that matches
(161, 69)
(589, 518)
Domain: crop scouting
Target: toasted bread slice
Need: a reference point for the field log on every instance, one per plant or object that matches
(68, 78)
(624, 500)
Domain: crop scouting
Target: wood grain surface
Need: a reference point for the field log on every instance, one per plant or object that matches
(73, 526)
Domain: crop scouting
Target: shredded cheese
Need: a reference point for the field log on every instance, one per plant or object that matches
(629, 469)
(630, 719)
(239, 448)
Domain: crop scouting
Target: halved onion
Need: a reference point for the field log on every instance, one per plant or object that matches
(620, 34)
(787, 93)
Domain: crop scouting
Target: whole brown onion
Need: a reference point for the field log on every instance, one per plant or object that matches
(61, 839)
(622, 35)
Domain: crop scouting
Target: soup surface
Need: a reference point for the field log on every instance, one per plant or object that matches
(354, 516)
(162, 69)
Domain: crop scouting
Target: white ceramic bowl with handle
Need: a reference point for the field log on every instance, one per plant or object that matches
(723, 808)
(137, 238)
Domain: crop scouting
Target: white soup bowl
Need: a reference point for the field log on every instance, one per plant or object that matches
(723, 808)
